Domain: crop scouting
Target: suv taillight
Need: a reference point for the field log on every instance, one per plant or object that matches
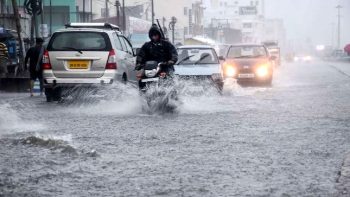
(112, 60)
(46, 61)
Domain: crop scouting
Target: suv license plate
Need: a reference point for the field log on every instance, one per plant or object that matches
(150, 80)
(78, 64)
(246, 76)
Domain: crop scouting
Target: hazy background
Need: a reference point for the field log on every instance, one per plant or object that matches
(314, 20)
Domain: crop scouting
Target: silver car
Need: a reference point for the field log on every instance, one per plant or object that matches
(86, 54)
(199, 62)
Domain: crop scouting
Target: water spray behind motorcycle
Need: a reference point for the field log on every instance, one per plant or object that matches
(157, 87)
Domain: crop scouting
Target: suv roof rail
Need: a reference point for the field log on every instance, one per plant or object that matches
(93, 25)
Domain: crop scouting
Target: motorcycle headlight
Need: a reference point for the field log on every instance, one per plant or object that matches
(151, 73)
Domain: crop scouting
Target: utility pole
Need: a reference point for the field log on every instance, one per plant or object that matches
(50, 18)
(124, 17)
(2, 4)
(106, 7)
(91, 17)
(117, 5)
(339, 38)
(83, 10)
(172, 27)
(42, 19)
(19, 31)
(152, 5)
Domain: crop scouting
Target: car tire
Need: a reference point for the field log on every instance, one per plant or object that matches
(49, 94)
(57, 94)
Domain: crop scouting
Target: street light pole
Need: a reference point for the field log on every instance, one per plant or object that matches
(339, 38)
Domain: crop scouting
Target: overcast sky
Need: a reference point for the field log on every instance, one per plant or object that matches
(311, 19)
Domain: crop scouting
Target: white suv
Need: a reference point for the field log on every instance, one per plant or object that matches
(86, 54)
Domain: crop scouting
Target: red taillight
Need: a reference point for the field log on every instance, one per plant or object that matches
(112, 60)
(46, 61)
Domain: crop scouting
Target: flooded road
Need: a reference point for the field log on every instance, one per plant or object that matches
(286, 140)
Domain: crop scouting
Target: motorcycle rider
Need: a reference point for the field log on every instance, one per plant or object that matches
(158, 49)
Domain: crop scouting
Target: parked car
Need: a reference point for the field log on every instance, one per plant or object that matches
(249, 63)
(274, 50)
(199, 62)
(86, 54)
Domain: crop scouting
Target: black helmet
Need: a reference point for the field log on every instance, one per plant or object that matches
(154, 31)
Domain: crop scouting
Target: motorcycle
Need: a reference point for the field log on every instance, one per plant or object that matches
(158, 89)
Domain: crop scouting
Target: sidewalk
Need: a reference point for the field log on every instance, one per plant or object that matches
(343, 182)
(342, 67)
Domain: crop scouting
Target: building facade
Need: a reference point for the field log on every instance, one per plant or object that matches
(189, 14)
(244, 15)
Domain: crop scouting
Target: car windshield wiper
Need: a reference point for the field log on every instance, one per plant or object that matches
(74, 49)
(184, 59)
(202, 58)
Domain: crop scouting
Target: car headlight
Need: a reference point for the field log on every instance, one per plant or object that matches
(151, 73)
(230, 70)
(262, 71)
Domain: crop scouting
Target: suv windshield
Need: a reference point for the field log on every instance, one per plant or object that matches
(80, 41)
(247, 52)
(197, 56)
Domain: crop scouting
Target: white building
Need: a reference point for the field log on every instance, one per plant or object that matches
(245, 15)
(274, 31)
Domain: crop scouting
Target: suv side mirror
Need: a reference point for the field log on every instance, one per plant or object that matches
(222, 58)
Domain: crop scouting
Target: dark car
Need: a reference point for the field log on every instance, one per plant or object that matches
(249, 63)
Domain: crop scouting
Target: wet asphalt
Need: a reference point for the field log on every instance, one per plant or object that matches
(286, 140)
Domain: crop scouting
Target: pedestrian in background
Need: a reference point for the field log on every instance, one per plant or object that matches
(35, 55)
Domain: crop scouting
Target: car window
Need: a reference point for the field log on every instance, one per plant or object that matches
(246, 52)
(197, 56)
(126, 44)
(84, 41)
(117, 42)
(123, 43)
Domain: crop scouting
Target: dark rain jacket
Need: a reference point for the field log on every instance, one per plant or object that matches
(161, 51)
(34, 55)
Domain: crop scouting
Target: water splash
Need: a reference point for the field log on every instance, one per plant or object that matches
(11, 121)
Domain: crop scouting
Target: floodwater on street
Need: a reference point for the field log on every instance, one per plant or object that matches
(286, 140)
